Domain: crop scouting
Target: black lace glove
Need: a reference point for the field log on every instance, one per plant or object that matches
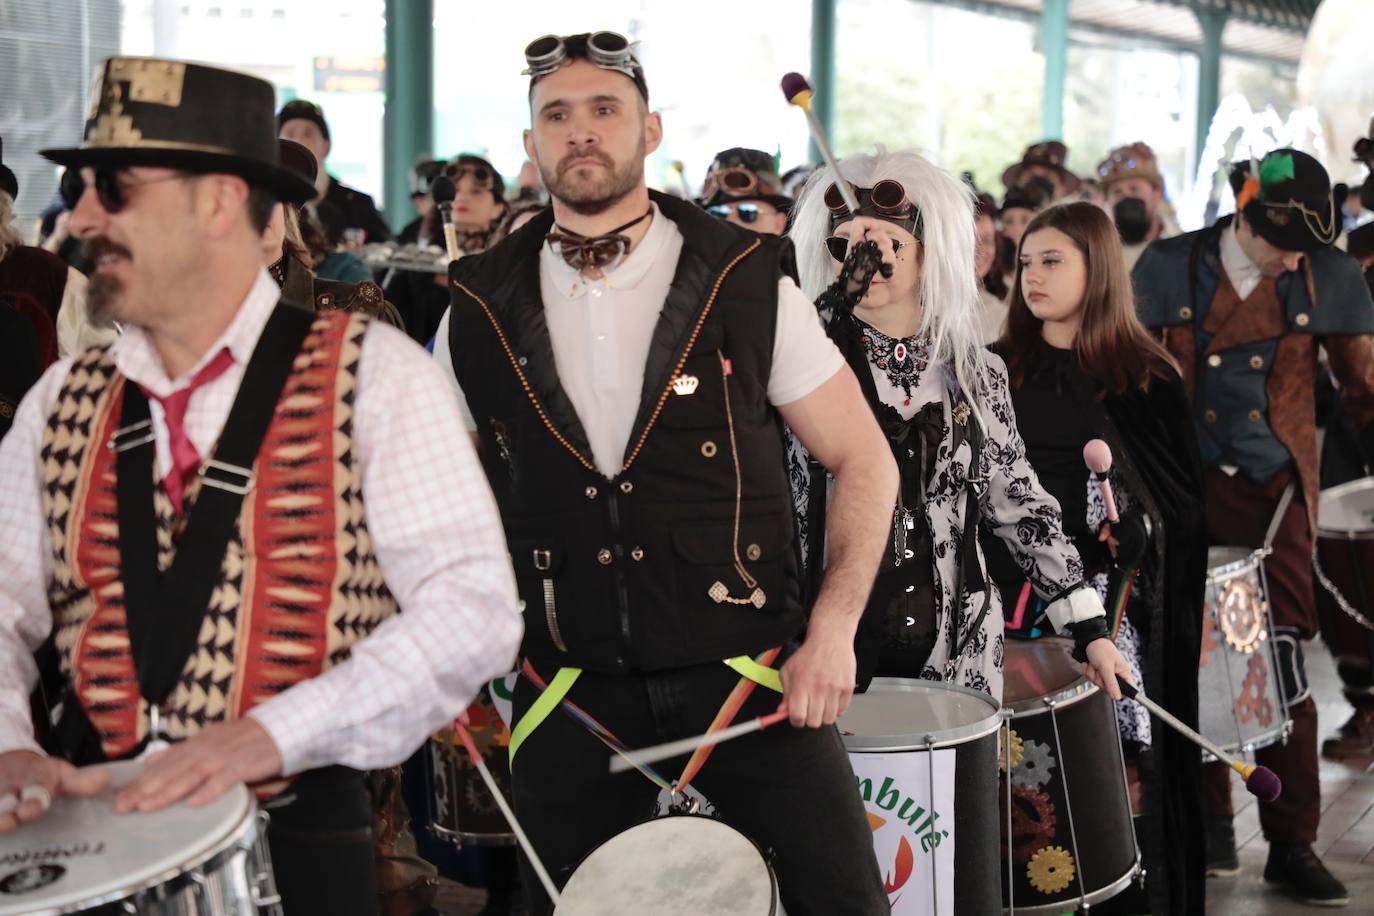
(864, 261)
(1084, 632)
(1132, 537)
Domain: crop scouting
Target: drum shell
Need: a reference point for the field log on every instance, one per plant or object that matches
(1240, 706)
(975, 871)
(1087, 794)
(461, 807)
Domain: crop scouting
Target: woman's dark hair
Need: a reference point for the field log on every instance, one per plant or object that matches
(1112, 347)
(984, 207)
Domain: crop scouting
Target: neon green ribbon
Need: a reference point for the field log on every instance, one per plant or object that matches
(760, 674)
(539, 711)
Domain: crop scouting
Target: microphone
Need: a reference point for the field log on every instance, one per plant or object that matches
(1097, 455)
(798, 92)
(443, 191)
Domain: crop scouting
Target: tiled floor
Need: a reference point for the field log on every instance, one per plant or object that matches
(1345, 841)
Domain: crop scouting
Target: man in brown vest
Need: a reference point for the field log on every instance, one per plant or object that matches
(1243, 307)
(217, 518)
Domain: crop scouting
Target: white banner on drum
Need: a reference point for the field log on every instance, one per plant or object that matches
(913, 835)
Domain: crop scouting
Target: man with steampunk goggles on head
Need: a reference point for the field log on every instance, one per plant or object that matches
(743, 188)
(626, 360)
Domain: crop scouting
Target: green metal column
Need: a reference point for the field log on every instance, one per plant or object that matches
(823, 70)
(1213, 23)
(1054, 43)
(408, 123)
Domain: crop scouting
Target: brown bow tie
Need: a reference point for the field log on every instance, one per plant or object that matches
(597, 252)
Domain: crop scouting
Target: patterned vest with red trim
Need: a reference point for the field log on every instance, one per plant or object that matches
(299, 584)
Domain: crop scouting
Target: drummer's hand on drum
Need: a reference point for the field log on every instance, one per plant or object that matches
(201, 769)
(1104, 664)
(818, 680)
(40, 776)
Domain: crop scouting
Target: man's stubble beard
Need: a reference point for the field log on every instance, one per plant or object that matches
(596, 197)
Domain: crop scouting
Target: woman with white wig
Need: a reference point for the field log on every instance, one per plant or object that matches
(895, 287)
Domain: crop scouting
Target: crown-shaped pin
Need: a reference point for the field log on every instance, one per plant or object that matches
(685, 384)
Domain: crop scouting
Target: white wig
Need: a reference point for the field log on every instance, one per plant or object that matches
(949, 299)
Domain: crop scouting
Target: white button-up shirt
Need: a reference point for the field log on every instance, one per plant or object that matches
(1240, 270)
(431, 516)
(601, 331)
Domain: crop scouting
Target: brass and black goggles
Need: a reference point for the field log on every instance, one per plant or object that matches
(885, 200)
(608, 50)
(109, 189)
(480, 173)
(732, 181)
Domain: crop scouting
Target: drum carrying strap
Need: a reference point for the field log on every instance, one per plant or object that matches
(1292, 673)
(752, 670)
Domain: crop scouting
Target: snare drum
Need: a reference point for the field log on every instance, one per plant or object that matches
(180, 861)
(1241, 706)
(1066, 807)
(679, 865)
(1345, 548)
(462, 809)
(925, 755)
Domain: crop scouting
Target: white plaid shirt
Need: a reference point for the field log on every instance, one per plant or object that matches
(431, 516)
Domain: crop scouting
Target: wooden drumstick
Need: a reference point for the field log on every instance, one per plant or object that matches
(501, 802)
(1261, 782)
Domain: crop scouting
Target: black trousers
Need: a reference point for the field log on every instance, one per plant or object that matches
(789, 789)
(323, 853)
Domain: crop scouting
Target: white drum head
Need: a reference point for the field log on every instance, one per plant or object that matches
(897, 713)
(672, 866)
(81, 853)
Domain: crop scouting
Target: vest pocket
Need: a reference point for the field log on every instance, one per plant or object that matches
(536, 564)
(716, 569)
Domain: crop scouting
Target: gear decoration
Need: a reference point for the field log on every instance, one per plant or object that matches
(1253, 703)
(1240, 614)
(479, 798)
(1051, 870)
(1033, 821)
(1009, 743)
(1036, 763)
(1209, 636)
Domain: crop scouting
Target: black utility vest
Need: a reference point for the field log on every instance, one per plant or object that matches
(639, 571)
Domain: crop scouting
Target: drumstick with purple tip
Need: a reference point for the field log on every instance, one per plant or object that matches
(1097, 455)
(1260, 782)
(524, 841)
(798, 92)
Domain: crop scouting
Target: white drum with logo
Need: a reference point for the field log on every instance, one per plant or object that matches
(925, 755)
(180, 861)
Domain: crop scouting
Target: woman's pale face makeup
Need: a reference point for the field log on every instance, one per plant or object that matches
(1014, 222)
(1054, 276)
(893, 303)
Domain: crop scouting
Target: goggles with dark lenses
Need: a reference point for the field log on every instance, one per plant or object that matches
(109, 189)
(885, 200)
(608, 50)
(747, 213)
(480, 173)
(838, 246)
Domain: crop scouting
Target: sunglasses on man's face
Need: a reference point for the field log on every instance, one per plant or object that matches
(747, 213)
(111, 189)
(838, 246)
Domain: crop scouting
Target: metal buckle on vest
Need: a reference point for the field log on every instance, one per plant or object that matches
(231, 471)
(120, 439)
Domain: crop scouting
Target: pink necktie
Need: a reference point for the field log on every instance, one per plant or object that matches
(185, 458)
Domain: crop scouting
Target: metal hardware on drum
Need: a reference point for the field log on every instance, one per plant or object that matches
(1336, 594)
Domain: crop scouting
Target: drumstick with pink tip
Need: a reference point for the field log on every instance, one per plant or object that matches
(1260, 782)
(524, 841)
(798, 92)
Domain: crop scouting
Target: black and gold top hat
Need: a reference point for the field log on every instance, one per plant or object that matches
(180, 115)
(740, 174)
(1286, 199)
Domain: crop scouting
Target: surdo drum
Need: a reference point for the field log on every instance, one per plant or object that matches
(82, 857)
(679, 865)
(1241, 705)
(1066, 807)
(462, 809)
(1345, 551)
(925, 755)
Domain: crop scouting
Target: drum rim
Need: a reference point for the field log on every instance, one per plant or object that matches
(1077, 690)
(775, 888)
(960, 734)
(1228, 570)
(1092, 898)
(239, 839)
(1260, 740)
(1343, 534)
(475, 839)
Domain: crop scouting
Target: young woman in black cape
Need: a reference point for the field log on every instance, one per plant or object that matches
(1082, 367)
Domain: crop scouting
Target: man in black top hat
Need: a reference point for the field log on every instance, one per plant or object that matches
(625, 360)
(304, 122)
(743, 187)
(221, 572)
(1046, 159)
(1243, 307)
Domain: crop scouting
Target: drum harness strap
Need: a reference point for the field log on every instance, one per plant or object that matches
(753, 671)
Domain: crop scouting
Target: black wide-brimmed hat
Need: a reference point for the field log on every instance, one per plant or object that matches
(179, 115)
(739, 174)
(1286, 199)
(8, 183)
(1050, 154)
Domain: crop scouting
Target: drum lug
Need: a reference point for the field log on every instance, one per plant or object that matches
(262, 884)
